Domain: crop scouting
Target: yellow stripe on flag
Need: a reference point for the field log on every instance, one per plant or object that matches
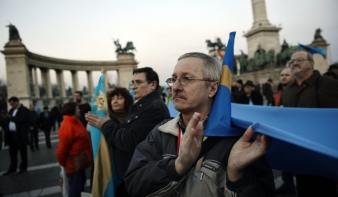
(226, 78)
(102, 169)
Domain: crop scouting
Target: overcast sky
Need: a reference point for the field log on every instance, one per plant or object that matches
(160, 30)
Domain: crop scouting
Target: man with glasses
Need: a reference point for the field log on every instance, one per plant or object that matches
(310, 90)
(143, 116)
(163, 164)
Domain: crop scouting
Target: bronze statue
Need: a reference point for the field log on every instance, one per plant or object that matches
(220, 45)
(42, 91)
(270, 58)
(243, 61)
(128, 47)
(211, 44)
(13, 32)
(55, 91)
(259, 58)
(318, 34)
(69, 91)
(217, 44)
(119, 48)
(84, 91)
(285, 54)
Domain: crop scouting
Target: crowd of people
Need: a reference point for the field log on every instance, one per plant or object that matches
(159, 155)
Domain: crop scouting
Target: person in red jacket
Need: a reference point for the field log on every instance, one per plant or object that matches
(73, 139)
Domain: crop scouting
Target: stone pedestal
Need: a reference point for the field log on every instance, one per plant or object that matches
(262, 32)
(127, 66)
(18, 78)
(321, 63)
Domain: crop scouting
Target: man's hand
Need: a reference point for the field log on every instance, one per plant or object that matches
(191, 144)
(94, 120)
(244, 152)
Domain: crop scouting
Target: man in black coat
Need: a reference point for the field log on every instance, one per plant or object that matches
(46, 122)
(18, 135)
(250, 96)
(33, 129)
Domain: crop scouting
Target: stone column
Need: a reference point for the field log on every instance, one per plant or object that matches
(75, 80)
(31, 82)
(90, 82)
(259, 13)
(45, 78)
(36, 82)
(60, 81)
(262, 32)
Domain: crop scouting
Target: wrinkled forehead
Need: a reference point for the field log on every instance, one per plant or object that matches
(299, 54)
(190, 66)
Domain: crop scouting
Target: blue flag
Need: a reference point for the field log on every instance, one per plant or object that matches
(219, 120)
(313, 50)
(105, 176)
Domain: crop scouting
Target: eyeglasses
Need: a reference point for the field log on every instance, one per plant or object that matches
(299, 60)
(184, 80)
(136, 83)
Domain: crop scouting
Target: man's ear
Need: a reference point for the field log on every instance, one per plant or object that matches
(154, 84)
(213, 89)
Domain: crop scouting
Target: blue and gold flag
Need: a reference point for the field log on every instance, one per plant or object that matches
(105, 177)
(219, 123)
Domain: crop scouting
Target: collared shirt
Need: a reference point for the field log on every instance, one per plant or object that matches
(12, 126)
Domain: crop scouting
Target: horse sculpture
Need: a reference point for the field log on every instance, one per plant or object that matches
(119, 48)
(211, 44)
(128, 47)
(220, 45)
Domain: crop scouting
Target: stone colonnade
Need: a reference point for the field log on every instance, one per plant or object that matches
(22, 74)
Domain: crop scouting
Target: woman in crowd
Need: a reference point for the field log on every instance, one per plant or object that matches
(73, 140)
(119, 101)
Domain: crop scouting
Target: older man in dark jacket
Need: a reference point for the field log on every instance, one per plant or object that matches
(18, 135)
(143, 116)
(310, 90)
(167, 162)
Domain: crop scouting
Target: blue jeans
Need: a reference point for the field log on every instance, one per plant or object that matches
(77, 183)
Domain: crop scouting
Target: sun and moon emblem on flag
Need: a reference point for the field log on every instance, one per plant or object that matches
(100, 101)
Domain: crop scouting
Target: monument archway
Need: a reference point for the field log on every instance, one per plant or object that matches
(22, 76)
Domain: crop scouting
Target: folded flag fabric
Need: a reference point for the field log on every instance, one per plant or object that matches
(304, 139)
(313, 50)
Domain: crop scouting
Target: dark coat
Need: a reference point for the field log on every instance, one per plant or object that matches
(21, 121)
(84, 108)
(267, 89)
(143, 116)
(46, 123)
(153, 165)
(315, 92)
(255, 97)
(55, 111)
(34, 120)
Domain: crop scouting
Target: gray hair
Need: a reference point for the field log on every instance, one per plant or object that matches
(308, 54)
(212, 67)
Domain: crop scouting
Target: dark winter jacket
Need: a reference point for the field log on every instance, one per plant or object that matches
(152, 169)
(46, 121)
(34, 120)
(255, 97)
(315, 92)
(143, 116)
